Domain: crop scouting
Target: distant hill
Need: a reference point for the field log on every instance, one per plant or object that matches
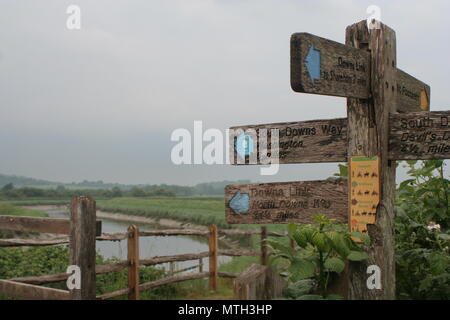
(24, 181)
(208, 188)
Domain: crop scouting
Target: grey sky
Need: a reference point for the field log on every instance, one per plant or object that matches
(100, 103)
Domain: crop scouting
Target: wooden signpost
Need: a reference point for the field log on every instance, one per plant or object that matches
(286, 202)
(388, 119)
(420, 135)
(412, 136)
(327, 67)
(299, 142)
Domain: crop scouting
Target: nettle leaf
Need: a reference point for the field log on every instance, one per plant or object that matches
(284, 250)
(339, 244)
(357, 256)
(334, 264)
(320, 241)
(303, 236)
(362, 236)
(302, 269)
(299, 288)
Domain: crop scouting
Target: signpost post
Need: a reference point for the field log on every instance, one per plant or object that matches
(388, 119)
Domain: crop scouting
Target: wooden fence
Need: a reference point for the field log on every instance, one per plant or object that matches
(81, 231)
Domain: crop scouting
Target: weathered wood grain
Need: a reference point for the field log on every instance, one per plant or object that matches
(420, 135)
(298, 142)
(239, 252)
(264, 247)
(258, 282)
(133, 260)
(175, 258)
(114, 294)
(250, 232)
(288, 202)
(213, 257)
(82, 245)
(33, 242)
(31, 292)
(175, 279)
(250, 284)
(173, 232)
(344, 70)
(412, 94)
(412, 136)
(57, 277)
(38, 224)
(368, 135)
(35, 224)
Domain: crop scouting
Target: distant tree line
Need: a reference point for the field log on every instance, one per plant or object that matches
(10, 191)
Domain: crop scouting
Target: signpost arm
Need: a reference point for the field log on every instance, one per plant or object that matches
(368, 135)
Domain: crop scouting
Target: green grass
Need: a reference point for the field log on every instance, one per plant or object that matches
(196, 210)
(7, 209)
(36, 202)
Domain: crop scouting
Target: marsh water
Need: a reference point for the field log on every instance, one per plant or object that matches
(148, 246)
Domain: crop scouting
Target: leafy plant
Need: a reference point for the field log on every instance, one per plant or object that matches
(324, 249)
(422, 232)
(34, 261)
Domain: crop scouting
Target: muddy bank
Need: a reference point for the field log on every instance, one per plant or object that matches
(168, 223)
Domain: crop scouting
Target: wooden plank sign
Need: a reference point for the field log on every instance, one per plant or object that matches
(364, 196)
(420, 135)
(413, 136)
(286, 202)
(412, 95)
(299, 142)
(327, 67)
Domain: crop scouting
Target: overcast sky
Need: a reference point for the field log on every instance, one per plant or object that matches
(100, 103)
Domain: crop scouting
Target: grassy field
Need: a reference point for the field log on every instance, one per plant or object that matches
(197, 210)
(7, 209)
(36, 202)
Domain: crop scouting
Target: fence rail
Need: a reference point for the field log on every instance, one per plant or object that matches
(75, 230)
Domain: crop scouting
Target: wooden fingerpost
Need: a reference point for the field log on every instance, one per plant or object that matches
(133, 260)
(264, 255)
(213, 253)
(368, 135)
(82, 245)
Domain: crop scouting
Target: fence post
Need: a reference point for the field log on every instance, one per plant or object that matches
(213, 252)
(171, 268)
(133, 260)
(264, 246)
(200, 265)
(82, 245)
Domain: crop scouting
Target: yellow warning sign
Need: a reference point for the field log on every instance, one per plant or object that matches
(364, 192)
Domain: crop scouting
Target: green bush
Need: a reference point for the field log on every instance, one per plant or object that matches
(324, 249)
(422, 232)
(35, 261)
